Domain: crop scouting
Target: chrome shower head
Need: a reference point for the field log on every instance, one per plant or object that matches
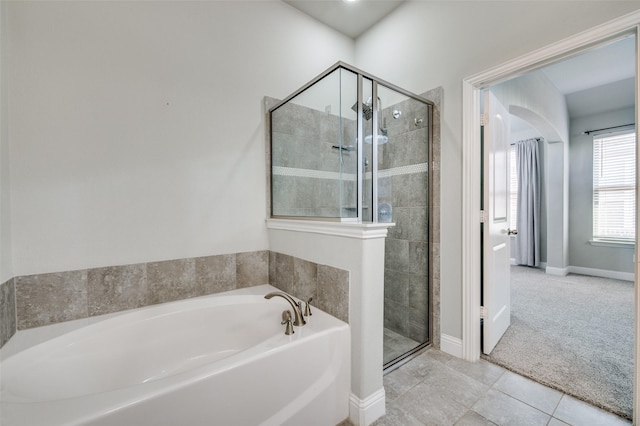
(367, 109)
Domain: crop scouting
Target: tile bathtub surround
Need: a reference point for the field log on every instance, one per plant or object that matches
(303, 279)
(252, 269)
(215, 274)
(117, 288)
(333, 291)
(51, 298)
(172, 280)
(56, 297)
(7, 311)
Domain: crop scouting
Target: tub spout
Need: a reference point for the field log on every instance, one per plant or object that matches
(298, 318)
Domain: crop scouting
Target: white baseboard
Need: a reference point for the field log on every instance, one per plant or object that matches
(363, 412)
(605, 273)
(616, 275)
(560, 272)
(451, 345)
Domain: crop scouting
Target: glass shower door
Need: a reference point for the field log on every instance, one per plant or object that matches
(314, 152)
(403, 198)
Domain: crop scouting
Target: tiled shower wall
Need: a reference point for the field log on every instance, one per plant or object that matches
(310, 176)
(406, 279)
(412, 254)
(37, 300)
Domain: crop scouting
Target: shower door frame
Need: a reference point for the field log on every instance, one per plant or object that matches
(412, 353)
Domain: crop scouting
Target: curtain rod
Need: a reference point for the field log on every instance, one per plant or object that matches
(537, 139)
(587, 132)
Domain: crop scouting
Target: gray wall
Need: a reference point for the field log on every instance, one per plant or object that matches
(581, 253)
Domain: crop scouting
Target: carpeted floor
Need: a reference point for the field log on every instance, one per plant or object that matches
(572, 333)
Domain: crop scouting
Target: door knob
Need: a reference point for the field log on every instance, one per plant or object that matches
(512, 231)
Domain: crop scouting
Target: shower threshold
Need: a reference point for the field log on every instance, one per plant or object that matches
(399, 349)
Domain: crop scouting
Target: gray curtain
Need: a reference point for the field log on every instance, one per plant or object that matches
(528, 220)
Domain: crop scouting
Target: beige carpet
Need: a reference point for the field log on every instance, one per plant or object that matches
(574, 334)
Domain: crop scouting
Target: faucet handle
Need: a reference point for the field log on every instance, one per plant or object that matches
(307, 308)
(299, 306)
(286, 319)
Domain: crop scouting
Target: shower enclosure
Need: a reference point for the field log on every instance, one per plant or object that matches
(350, 147)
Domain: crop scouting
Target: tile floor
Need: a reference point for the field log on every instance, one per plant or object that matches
(437, 389)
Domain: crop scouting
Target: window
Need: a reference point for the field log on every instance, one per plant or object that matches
(614, 177)
(513, 188)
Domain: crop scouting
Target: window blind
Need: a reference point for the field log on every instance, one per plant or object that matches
(614, 178)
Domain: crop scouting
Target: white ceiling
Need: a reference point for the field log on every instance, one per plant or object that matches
(351, 18)
(605, 73)
(596, 67)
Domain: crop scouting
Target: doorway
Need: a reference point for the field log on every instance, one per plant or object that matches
(598, 89)
(471, 158)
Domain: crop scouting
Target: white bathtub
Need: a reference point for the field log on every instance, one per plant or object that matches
(215, 360)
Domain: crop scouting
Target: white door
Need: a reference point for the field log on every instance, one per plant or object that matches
(496, 295)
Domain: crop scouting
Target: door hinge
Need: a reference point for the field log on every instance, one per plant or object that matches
(483, 312)
(484, 119)
(483, 216)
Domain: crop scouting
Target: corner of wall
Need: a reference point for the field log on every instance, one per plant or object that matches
(6, 256)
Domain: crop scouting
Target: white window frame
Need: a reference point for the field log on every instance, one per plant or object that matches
(614, 179)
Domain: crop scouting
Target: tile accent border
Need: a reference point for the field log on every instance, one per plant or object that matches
(321, 174)
(37, 300)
